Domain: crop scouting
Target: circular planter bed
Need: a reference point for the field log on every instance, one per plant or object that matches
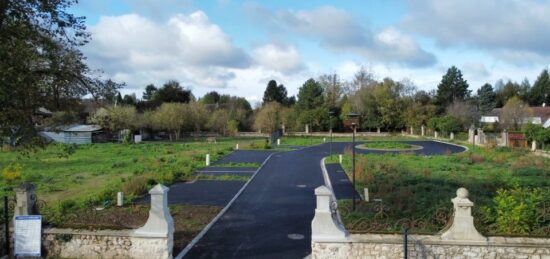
(389, 146)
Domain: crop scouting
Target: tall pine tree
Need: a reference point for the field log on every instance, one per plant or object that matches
(486, 98)
(540, 93)
(451, 88)
(275, 93)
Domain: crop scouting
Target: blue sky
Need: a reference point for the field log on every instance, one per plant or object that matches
(236, 47)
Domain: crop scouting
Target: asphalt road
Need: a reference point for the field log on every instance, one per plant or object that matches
(272, 216)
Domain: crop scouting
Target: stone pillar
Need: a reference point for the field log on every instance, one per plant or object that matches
(471, 134)
(423, 130)
(340, 158)
(324, 140)
(307, 128)
(283, 128)
(534, 145)
(505, 138)
(402, 132)
(436, 134)
(207, 159)
(237, 146)
(120, 199)
(452, 136)
(378, 130)
(278, 142)
(481, 136)
(324, 226)
(366, 190)
(462, 228)
(412, 131)
(25, 200)
(355, 130)
(160, 223)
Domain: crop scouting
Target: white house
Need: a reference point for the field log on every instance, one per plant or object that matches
(541, 116)
(76, 134)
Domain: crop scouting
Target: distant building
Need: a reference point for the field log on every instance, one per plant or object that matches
(541, 116)
(75, 134)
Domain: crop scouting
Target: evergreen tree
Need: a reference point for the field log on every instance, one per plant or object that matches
(275, 93)
(486, 98)
(540, 93)
(310, 95)
(451, 88)
(150, 90)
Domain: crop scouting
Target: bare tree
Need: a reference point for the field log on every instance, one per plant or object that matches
(515, 113)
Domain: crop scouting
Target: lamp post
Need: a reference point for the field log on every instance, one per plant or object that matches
(330, 113)
(353, 115)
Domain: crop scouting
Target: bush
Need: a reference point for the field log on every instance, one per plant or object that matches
(135, 185)
(11, 173)
(516, 209)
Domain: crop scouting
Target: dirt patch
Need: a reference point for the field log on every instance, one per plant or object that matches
(189, 220)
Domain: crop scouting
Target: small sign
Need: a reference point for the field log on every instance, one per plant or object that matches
(28, 233)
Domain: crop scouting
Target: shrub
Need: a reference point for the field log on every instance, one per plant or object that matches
(516, 209)
(135, 185)
(11, 173)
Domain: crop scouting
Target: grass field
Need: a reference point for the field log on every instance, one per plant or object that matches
(69, 177)
(510, 189)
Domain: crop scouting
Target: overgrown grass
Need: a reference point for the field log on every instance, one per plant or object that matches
(386, 145)
(86, 175)
(508, 187)
(315, 140)
(235, 164)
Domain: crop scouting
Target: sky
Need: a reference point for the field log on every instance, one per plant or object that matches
(236, 47)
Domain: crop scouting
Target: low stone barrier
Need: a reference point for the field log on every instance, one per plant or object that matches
(460, 240)
(153, 240)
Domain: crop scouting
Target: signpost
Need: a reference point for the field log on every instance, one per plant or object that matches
(28, 232)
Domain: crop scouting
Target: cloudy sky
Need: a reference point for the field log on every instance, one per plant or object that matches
(236, 47)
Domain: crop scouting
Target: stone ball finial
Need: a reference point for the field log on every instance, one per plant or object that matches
(462, 193)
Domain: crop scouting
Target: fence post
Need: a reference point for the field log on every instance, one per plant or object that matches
(462, 227)
(323, 225)
(406, 242)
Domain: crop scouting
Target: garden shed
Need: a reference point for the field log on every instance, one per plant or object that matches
(76, 134)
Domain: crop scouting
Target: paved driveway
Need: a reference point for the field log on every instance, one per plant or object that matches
(272, 216)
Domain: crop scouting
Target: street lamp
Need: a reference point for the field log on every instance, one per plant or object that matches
(353, 116)
(330, 113)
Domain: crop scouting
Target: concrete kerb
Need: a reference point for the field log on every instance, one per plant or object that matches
(220, 214)
(329, 185)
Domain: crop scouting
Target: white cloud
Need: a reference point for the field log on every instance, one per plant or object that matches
(278, 57)
(338, 30)
(188, 48)
(517, 27)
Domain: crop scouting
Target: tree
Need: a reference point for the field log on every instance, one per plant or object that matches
(540, 93)
(486, 98)
(219, 122)
(332, 88)
(211, 98)
(268, 118)
(451, 88)
(150, 91)
(172, 92)
(465, 111)
(197, 115)
(505, 91)
(40, 63)
(310, 95)
(115, 118)
(171, 117)
(515, 113)
(275, 93)
(537, 133)
(363, 78)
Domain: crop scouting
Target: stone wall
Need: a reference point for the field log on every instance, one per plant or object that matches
(69, 243)
(423, 246)
(155, 239)
(460, 240)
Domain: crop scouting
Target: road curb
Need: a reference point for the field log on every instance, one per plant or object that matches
(220, 214)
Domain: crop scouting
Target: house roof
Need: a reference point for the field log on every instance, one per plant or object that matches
(541, 112)
(83, 128)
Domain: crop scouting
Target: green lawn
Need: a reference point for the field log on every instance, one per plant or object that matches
(510, 189)
(68, 177)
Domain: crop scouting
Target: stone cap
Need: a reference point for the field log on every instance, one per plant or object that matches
(25, 186)
(323, 190)
(159, 189)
